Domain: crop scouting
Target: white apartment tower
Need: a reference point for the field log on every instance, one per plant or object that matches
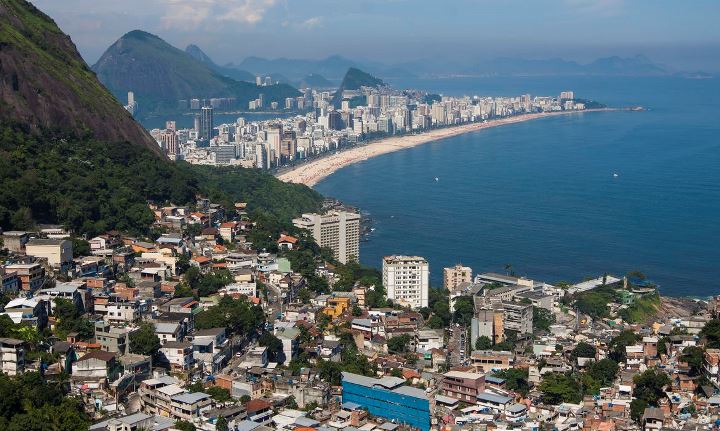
(336, 230)
(407, 280)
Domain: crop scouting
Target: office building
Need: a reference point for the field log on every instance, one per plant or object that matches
(389, 398)
(406, 279)
(455, 275)
(336, 230)
(206, 123)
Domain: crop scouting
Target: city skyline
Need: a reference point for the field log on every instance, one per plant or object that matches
(464, 31)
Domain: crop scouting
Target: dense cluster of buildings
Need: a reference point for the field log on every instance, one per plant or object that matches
(447, 376)
(366, 113)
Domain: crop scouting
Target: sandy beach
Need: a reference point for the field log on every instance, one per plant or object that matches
(314, 171)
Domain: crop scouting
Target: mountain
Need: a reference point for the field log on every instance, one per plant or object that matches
(315, 80)
(45, 84)
(355, 79)
(71, 155)
(609, 66)
(638, 65)
(239, 75)
(332, 67)
(160, 75)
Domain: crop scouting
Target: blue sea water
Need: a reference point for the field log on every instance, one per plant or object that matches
(541, 195)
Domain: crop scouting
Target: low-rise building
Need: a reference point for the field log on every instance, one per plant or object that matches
(463, 386)
(389, 398)
(57, 252)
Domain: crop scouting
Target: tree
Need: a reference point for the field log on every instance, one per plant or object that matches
(637, 409)
(399, 344)
(436, 322)
(711, 333)
(542, 319)
(274, 345)
(219, 394)
(516, 379)
(617, 345)
(603, 371)
(694, 356)
(483, 343)
(221, 424)
(650, 386)
(144, 341)
(583, 350)
(356, 310)
(80, 247)
(184, 426)
(559, 388)
(464, 310)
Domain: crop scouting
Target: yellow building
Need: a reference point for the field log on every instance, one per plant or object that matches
(336, 306)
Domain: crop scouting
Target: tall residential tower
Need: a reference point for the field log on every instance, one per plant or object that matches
(407, 280)
(336, 230)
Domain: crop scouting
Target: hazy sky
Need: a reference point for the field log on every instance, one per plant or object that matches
(682, 34)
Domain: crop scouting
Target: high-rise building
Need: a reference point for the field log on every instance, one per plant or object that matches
(455, 275)
(274, 135)
(567, 95)
(336, 230)
(168, 140)
(206, 123)
(407, 280)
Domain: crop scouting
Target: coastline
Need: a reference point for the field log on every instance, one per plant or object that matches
(312, 172)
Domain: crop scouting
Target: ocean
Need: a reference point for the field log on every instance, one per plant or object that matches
(561, 198)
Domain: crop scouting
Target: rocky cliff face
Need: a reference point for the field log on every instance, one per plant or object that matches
(46, 85)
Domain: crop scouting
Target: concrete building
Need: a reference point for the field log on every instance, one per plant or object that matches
(12, 356)
(15, 241)
(57, 252)
(455, 275)
(31, 275)
(462, 385)
(518, 317)
(336, 230)
(406, 279)
(389, 398)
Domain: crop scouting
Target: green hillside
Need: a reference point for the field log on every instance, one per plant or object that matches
(45, 84)
(82, 161)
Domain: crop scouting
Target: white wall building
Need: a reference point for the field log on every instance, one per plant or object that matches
(337, 230)
(406, 279)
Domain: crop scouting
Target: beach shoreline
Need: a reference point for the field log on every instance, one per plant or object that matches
(312, 172)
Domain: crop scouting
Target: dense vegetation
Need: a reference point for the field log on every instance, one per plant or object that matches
(29, 403)
(91, 186)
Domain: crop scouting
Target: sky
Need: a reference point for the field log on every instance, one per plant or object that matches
(683, 35)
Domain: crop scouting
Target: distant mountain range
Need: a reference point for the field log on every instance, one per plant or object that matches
(237, 74)
(160, 75)
(638, 65)
(335, 66)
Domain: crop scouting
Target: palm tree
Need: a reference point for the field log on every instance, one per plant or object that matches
(508, 268)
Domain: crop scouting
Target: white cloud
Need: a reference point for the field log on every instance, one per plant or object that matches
(313, 22)
(197, 13)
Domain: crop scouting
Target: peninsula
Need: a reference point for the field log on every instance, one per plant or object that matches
(313, 171)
